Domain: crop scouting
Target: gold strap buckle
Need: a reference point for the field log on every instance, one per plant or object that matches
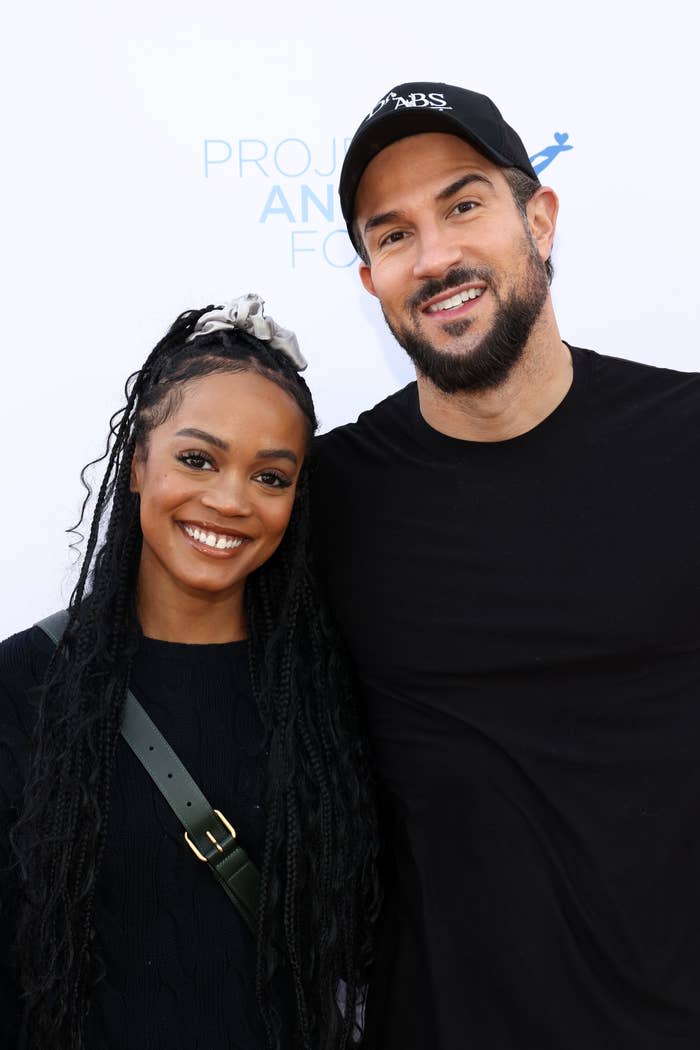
(198, 854)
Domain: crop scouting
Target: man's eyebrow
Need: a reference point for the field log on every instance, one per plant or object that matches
(386, 217)
(459, 184)
(381, 220)
(278, 453)
(202, 435)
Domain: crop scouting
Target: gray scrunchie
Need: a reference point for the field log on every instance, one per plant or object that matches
(246, 314)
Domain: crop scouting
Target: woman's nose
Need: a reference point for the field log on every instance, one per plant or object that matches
(229, 496)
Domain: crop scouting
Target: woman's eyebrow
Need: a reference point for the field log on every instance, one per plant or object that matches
(211, 439)
(202, 435)
(278, 453)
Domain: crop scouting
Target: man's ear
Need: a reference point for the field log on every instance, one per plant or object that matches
(366, 278)
(542, 210)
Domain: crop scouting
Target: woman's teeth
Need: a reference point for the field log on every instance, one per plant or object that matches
(455, 300)
(211, 539)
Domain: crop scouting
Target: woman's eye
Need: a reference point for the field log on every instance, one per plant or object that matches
(196, 459)
(273, 480)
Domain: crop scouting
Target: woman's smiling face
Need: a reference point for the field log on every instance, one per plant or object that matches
(217, 482)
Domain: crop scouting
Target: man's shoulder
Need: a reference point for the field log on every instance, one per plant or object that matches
(612, 372)
(387, 421)
(644, 401)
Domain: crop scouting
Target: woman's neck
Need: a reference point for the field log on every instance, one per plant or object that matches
(170, 614)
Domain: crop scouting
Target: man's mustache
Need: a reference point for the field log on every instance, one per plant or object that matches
(452, 279)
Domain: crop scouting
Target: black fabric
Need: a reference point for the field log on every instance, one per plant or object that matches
(524, 616)
(179, 963)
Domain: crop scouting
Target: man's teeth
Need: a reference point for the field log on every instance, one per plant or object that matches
(455, 300)
(211, 539)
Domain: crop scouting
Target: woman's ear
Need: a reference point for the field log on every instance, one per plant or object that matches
(136, 474)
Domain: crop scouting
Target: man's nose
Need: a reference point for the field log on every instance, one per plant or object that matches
(437, 252)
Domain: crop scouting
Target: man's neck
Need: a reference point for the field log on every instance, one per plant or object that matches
(535, 387)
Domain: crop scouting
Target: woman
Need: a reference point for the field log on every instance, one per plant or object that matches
(196, 593)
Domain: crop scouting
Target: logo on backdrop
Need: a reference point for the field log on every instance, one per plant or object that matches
(292, 183)
(544, 157)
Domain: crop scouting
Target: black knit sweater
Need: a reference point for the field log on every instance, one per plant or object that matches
(179, 964)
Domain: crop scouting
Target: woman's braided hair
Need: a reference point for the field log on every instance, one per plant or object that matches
(319, 888)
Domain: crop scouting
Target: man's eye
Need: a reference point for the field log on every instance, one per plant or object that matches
(273, 480)
(196, 459)
(464, 206)
(392, 238)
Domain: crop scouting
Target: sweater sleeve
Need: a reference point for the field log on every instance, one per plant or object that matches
(10, 1009)
(23, 660)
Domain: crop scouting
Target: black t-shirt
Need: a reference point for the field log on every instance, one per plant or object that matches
(525, 620)
(179, 963)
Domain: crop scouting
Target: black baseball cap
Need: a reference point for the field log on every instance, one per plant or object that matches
(411, 109)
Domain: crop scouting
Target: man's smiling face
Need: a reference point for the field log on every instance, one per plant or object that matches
(452, 259)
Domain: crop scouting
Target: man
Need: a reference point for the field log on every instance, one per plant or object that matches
(511, 548)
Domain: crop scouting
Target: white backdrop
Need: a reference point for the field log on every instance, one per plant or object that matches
(162, 155)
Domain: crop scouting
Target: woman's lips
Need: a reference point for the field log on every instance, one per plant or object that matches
(211, 541)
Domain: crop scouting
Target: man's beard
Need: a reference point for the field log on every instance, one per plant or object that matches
(489, 362)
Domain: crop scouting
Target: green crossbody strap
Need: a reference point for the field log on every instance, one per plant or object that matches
(207, 831)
